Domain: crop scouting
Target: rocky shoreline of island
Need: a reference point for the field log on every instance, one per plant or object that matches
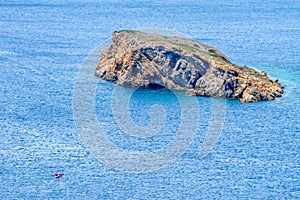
(139, 59)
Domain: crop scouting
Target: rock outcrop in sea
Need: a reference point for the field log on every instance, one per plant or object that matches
(138, 59)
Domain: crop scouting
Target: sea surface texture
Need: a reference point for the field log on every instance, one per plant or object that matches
(44, 46)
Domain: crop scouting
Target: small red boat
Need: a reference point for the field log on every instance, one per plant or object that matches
(57, 175)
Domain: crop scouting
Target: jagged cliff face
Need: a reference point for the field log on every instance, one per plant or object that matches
(137, 59)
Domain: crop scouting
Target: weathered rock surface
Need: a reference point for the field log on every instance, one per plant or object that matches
(137, 59)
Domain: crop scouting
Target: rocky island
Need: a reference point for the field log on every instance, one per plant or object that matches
(138, 59)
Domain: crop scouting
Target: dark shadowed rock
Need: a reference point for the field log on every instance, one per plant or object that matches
(138, 59)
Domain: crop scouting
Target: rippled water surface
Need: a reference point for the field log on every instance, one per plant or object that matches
(44, 43)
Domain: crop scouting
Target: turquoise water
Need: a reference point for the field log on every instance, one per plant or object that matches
(44, 44)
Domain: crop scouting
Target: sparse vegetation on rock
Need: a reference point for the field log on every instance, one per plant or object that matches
(138, 59)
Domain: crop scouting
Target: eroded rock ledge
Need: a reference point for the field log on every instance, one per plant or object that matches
(138, 59)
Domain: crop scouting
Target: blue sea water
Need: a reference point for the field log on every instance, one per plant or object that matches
(44, 44)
